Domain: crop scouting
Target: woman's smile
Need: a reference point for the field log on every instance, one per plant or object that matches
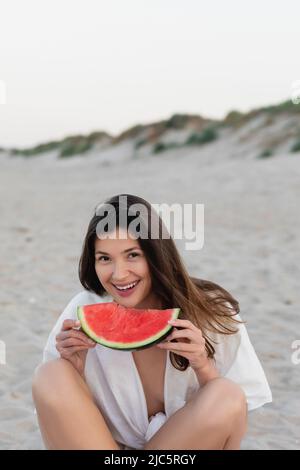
(127, 289)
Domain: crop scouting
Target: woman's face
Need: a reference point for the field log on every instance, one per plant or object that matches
(119, 262)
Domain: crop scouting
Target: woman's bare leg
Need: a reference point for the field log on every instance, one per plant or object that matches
(67, 414)
(215, 418)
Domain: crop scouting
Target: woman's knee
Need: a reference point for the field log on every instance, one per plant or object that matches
(54, 380)
(222, 400)
(231, 394)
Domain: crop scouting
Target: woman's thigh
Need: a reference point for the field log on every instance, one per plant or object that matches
(68, 416)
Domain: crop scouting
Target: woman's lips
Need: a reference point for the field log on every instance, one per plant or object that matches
(126, 293)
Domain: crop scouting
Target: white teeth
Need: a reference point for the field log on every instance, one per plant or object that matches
(127, 287)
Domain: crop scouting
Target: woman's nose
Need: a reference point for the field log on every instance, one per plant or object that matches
(120, 272)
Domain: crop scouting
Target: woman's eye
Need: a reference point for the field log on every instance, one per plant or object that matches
(101, 257)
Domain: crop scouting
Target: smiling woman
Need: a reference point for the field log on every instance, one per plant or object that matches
(123, 270)
(191, 392)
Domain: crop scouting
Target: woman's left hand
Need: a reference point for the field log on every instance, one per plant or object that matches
(191, 345)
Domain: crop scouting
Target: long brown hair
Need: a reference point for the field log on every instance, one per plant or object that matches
(206, 304)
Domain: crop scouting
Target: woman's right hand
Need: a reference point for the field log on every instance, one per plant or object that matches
(73, 344)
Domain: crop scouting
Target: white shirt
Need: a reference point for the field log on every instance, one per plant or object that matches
(114, 381)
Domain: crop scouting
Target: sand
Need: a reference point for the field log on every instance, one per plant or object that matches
(251, 248)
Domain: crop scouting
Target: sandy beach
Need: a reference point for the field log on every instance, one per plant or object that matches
(251, 248)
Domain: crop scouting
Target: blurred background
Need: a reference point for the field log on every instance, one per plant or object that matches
(177, 102)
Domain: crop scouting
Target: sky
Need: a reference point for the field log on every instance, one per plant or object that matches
(69, 67)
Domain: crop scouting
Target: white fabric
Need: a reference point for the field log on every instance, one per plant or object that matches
(117, 389)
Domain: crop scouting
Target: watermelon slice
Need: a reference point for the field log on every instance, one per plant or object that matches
(128, 329)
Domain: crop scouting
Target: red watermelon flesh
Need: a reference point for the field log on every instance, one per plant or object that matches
(118, 327)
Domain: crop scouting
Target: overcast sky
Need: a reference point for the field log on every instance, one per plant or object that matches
(78, 66)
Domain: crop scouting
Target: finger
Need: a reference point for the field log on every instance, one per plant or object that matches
(185, 333)
(68, 324)
(69, 352)
(183, 323)
(76, 342)
(72, 334)
(184, 347)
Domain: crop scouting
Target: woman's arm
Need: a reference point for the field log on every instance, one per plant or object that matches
(206, 372)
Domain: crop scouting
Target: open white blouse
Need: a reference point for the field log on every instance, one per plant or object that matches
(115, 383)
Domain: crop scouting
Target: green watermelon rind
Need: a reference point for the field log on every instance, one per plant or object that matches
(133, 346)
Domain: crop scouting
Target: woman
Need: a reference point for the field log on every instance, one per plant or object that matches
(191, 391)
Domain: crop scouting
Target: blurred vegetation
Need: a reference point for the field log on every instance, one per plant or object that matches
(177, 121)
(131, 133)
(266, 153)
(32, 151)
(296, 146)
(139, 143)
(67, 147)
(156, 130)
(286, 106)
(236, 118)
(161, 146)
(233, 118)
(198, 138)
(74, 146)
(202, 131)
